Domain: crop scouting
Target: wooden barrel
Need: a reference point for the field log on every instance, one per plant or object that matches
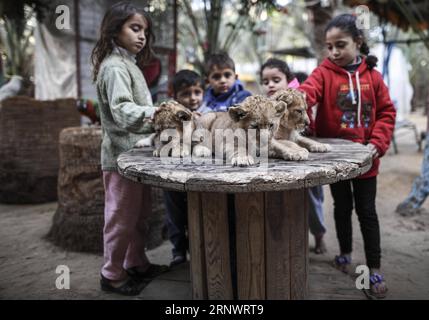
(78, 222)
(29, 161)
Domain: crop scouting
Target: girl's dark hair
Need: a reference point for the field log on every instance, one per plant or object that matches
(347, 23)
(111, 26)
(278, 64)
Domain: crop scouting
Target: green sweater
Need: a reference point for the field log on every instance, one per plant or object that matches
(125, 106)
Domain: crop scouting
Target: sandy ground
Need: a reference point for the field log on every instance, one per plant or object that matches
(28, 262)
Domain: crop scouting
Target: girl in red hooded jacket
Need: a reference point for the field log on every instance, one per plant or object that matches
(354, 104)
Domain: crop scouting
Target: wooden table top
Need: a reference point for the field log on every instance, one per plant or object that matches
(346, 160)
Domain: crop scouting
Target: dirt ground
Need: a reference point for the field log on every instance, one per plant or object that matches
(28, 262)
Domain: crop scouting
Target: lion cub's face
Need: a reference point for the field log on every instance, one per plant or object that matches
(171, 115)
(257, 112)
(297, 117)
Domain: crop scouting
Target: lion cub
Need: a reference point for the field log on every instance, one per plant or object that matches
(293, 123)
(170, 115)
(255, 112)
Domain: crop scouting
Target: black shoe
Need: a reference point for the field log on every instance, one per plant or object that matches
(129, 288)
(151, 273)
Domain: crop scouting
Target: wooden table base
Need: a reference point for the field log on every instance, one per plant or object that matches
(271, 245)
(270, 251)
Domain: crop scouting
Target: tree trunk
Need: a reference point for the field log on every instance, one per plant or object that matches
(320, 17)
(79, 219)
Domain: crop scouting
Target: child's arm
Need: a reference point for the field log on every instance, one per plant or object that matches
(385, 115)
(313, 89)
(126, 113)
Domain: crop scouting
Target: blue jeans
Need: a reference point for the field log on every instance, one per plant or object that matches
(177, 221)
(315, 214)
(420, 188)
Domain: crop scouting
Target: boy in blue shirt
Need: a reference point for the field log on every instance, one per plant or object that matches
(225, 89)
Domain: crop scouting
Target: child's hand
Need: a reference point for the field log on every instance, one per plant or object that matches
(153, 114)
(373, 149)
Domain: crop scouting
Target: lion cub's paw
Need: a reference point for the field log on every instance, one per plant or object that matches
(320, 147)
(297, 155)
(202, 152)
(243, 161)
(156, 153)
(145, 142)
(303, 154)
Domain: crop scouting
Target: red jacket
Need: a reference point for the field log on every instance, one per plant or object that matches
(358, 111)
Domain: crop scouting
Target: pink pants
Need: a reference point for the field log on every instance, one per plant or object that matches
(126, 208)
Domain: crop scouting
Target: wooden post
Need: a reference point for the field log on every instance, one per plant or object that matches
(296, 202)
(250, 245)
(277, 224)
(216, 239)
(196, 247)
(286, 228)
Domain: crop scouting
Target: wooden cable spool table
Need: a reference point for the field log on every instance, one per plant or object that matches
(271, 216)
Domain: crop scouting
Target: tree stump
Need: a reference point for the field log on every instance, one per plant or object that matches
(29, 131)
(79, 219)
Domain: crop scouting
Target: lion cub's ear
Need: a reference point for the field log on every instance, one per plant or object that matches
(238, 112)
(281, 107)
(164, 104)
(183, 115)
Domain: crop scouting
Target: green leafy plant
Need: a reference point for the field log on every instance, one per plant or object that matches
(17, 24)
(210, 26)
